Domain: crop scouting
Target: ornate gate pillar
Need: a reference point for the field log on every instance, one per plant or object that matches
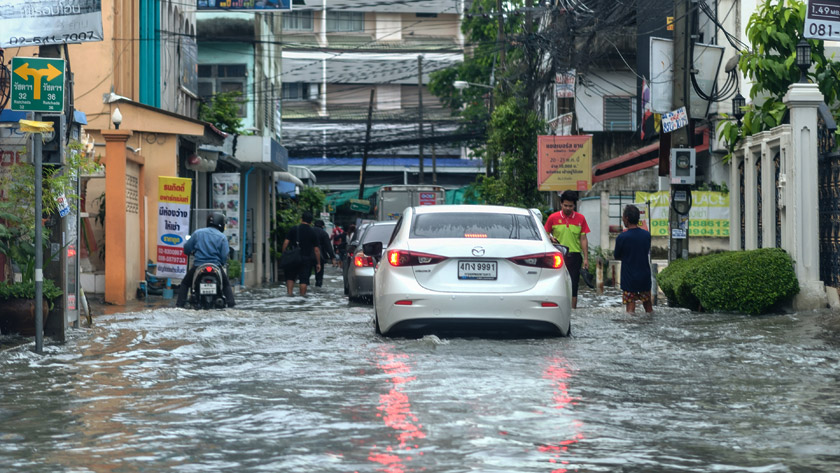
(799, 195)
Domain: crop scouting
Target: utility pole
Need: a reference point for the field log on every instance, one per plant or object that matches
(420, 111)
(681, 138)
(367, 146)
(500, 36)
(434, 155)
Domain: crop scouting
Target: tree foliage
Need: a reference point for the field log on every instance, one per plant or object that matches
(223, 112)
(774, 31)
(17, 207)
(511, 130)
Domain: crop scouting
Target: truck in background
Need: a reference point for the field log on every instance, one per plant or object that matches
(391, 201)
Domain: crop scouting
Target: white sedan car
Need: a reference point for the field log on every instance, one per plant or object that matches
(470, 268)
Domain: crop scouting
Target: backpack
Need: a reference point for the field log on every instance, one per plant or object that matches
(338, 236)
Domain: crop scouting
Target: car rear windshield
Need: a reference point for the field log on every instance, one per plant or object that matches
(378, 233)
(475, 225)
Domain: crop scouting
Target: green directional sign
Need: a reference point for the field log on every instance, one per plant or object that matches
(360, 205)
(37, 84)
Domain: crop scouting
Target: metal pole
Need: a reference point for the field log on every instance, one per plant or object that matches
(37, 149)
(678, 247)
(420, 111)
(367, 145)
(434, 156)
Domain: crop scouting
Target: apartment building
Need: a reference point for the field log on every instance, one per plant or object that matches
(334, 54)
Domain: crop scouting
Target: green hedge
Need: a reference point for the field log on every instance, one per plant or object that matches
(751, 282)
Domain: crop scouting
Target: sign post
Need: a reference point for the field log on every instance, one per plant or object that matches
(37, 84)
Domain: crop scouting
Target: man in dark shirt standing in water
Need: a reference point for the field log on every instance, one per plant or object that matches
(304, 236)
(632, 247)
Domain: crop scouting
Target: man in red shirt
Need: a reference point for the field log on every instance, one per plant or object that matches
(569, 228)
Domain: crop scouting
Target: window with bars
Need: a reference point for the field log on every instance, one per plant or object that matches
(345, 21)
(618, 114)
(215, 79)
(298, 20)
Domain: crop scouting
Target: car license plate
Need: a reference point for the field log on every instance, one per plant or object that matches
(207, 288)
(485, 270)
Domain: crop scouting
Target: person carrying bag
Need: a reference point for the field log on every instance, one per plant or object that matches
(308, 254)
(291, 256)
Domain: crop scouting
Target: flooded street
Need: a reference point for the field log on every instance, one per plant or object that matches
(291, 384)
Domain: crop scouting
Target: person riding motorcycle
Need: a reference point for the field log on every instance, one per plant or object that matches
(209, 245)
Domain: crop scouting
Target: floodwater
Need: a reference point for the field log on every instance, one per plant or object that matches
(291, 384)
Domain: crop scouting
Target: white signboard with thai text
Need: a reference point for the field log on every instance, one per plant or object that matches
(47, 22)
(173, 226)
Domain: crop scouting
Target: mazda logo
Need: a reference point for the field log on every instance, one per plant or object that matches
(478, 251)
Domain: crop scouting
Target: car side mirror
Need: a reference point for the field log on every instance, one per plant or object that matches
(563, 248)
(373, 248)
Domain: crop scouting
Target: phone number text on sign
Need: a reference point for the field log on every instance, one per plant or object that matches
(53, 39)
(822, 20)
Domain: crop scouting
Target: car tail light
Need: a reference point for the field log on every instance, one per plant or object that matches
(550, 304)
(540, 260)
(403, 302)
(362, 261)
(412, 258)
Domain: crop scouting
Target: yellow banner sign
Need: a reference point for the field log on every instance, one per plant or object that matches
(708, 217)
(175, 190)
(564, 162)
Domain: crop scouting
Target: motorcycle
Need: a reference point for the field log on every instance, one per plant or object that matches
(206, 288)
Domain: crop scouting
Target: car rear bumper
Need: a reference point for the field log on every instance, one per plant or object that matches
(430, 310)
(361, 283)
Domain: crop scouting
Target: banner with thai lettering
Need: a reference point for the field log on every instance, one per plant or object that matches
(47, 22)
(564, 162)
(708, 217)
(173, 226)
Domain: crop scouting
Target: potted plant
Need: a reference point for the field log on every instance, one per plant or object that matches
(17, 232)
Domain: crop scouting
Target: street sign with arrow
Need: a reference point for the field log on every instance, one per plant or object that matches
(37, 84)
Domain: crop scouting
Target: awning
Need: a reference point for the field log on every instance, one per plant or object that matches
(261, 152)
(339, 198)
(636, 160)
(141, 117)
(288, 177)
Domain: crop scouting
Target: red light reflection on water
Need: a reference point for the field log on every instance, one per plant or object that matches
(395, 411)
(558, 374)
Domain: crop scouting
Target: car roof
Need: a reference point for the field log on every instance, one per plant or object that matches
(459, 208)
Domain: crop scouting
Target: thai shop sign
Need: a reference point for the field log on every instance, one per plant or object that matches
(708, 217)
(564, 162)
(226, 201)
(47, 22)
(173, 226)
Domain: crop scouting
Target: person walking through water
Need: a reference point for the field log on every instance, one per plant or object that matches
(569, 228)
(325, 246)
(305, 237)
(632, 247)
(208, 245)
